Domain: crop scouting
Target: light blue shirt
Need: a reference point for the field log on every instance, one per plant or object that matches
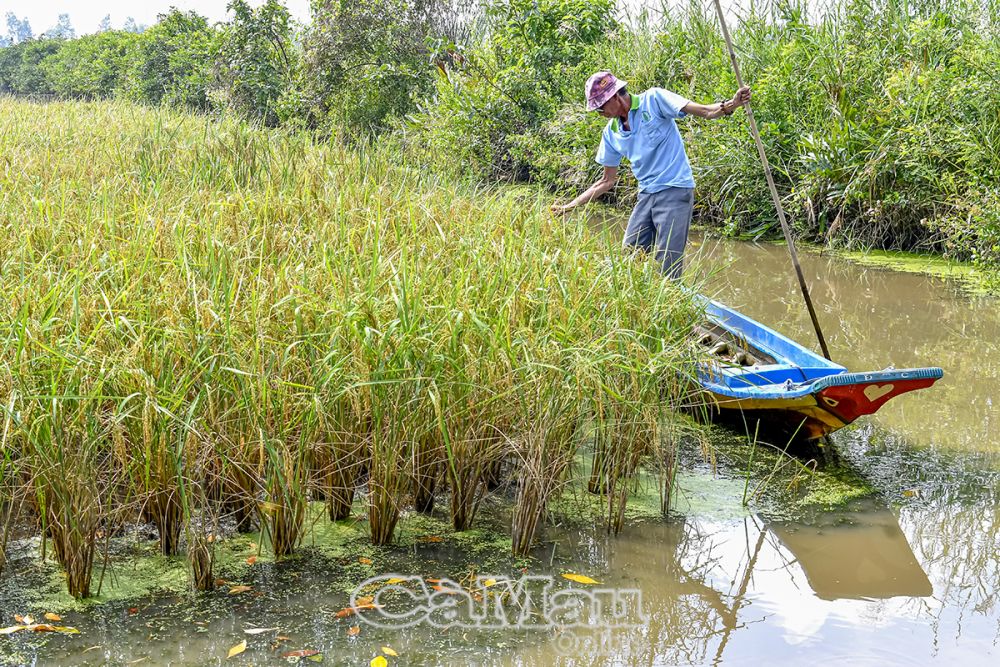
(653, 146)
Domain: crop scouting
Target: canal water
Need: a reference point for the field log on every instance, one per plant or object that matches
(907, 576)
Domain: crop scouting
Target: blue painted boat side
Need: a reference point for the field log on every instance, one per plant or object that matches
(798, 390)
(783, 349)
(799, 371)
(796, 363)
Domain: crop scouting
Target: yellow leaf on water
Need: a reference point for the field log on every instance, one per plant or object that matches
(239, 589)
(12, 629)
(257, 631)
(354, 631)
(490, 582)
(378, 661)
(365, 561)
(53, 617)
(389, 651)
(579, 578)
(395, 580)
(27, 620)
(236, 650)
(43, 627)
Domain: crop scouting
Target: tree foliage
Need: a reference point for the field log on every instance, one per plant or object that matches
(92, 66)
(171, 62)
(256, 62)
(366, 63)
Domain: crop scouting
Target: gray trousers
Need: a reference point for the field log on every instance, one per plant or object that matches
(659, 224)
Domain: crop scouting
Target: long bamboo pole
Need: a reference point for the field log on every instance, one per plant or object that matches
(771, 186)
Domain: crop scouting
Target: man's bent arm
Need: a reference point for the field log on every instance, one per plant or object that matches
(606, 182)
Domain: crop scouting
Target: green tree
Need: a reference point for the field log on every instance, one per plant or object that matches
(20, 67)
(171, 62)
(495, 95)
(90, 66)
(366, 62)
(256, 61)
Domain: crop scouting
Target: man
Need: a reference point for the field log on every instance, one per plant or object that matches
(642, 128)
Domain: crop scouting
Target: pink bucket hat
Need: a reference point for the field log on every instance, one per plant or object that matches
(600, 88)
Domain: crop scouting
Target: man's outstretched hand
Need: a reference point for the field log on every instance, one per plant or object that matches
(742, 97)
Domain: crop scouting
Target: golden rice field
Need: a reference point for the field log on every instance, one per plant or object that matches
(204, 323)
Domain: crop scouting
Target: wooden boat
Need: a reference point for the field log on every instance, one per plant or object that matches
(759, 377)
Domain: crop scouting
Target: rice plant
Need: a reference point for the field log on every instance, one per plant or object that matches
(205, 326)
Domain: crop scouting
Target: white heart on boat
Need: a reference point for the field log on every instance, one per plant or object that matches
(873, 392)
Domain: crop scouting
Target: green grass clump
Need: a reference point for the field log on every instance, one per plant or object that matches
(204, 321)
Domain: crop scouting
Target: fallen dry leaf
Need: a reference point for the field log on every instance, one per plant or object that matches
(365, 561)
(395, 580)
(378, 661)
(132, 611)
(12, 629)
(354, 631)
(44, 627)
(258, 631)
(236, 650)
(579, 578)
(251, 560)
(301, 653)
(220, 582)
(490, 582)
(389, 651)
(52, 617)
(430, 538)
(433, 581)
(365, 599)
(446, 590)
(350, 611)
(239, 589)
(282, 638)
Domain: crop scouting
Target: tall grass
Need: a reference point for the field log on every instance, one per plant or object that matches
(204, 322)
(881, 116)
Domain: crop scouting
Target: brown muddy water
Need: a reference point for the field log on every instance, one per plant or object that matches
(909, 574)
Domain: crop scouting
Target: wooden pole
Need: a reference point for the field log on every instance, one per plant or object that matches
(771, 186)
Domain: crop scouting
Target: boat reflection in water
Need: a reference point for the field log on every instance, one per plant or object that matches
(871, 560)
(725, 591)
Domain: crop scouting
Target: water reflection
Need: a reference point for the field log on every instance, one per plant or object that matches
(845, 560)
(860, 587)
